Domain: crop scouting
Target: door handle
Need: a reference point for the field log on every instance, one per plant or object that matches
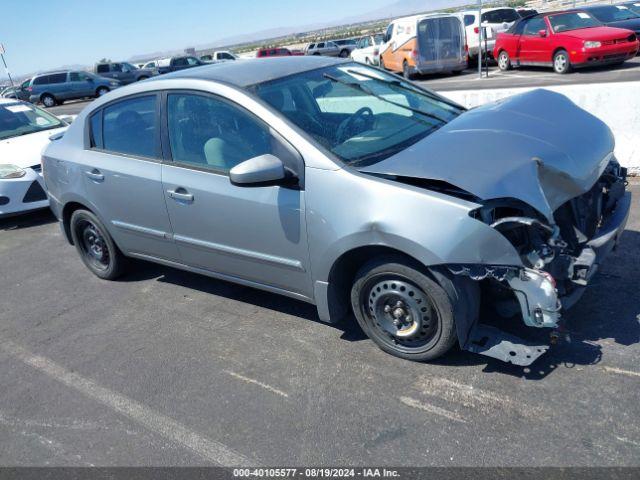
(95, 175)
(180, 194)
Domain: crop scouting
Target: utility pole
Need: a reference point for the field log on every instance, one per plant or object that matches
(6, 69)
(480, 38)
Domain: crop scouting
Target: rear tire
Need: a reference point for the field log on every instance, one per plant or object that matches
(48, 100)
(142, 78)
(561, 62)
(404, 311)
(344, 53)
(504, 61)
(406, 70)
(382, 64)
(95, 246)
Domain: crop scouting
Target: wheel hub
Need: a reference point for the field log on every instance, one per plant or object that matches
(400, 309)
(94, 244)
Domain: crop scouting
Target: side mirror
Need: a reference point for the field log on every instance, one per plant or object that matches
(67, 118)
(542, 33)
(263, 169)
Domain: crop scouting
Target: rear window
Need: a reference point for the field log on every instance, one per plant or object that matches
(504, 15)
(129, 127)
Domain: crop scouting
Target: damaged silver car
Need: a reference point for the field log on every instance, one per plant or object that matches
(352, 189)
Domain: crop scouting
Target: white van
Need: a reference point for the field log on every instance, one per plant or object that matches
(424, 44)
(494, 21)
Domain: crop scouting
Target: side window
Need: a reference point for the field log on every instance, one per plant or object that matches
(116, 67)
(321, 45)
(95, 130)
(129, 127)
(180, 62)
(192, 61)
(469, 20)
(74, 77)
(58, 78)
(104, 68)
(209, 132)
(389, 33)
(534, 26)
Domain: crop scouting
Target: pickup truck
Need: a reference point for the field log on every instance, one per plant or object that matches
(123, 71)
(173, 64)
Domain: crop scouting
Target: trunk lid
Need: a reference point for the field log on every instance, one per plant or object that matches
(538, 147)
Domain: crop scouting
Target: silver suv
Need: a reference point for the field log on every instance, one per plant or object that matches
(350, 188)
(328, 49)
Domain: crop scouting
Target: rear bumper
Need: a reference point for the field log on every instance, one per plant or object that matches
(426, 67)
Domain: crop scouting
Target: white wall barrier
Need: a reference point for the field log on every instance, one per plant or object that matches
(617, 104)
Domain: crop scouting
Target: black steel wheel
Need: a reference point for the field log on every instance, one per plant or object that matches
(403, 310)
(95, 246)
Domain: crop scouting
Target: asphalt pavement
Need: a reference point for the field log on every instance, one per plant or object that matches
(170, 368)
(470, 80)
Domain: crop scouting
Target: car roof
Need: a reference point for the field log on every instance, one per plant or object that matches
(254, 70)
(50, 73)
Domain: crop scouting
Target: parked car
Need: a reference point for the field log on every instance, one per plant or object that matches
(218, 56)
(347, 45)
(123, 72)
(152, 65)
(619, 16)
(500, 214)
(633, 6)
(54, 88)
(564, 40)
(493, 20)
(424, 44)
(328, 49)
(24, 132)
(174, 64)
(367, 49)
(274, 52)
(10, 92)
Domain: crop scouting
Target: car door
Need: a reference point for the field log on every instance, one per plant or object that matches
(533, 47)
(122, 176)
(79, 85)
(257, 233)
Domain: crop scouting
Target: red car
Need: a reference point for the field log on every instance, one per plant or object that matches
(276, 52)
(563, 40)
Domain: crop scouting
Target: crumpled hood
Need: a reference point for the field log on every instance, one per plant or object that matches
(25, 151)
(538, 147)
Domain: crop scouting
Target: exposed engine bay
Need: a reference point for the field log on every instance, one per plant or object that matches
(559, 259)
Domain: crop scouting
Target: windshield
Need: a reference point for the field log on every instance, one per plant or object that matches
(613, 13)
(360, 114)
(565, 22)
(21, 119)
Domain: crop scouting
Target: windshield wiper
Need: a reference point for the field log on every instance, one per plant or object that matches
(360, 87)
(403, 86)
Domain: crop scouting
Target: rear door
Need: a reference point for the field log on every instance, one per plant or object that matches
(440, 40)
(122, 176)
(80, 84)
(253, 233)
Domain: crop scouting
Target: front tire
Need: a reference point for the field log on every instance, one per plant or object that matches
(344, 53)
(95, 246)
(561, 62)
(101, 91)
(504, 61)
(404, 311)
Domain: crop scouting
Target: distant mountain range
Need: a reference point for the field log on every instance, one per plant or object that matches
(397, 8)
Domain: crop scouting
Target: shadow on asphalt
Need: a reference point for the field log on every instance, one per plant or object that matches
(27, 220)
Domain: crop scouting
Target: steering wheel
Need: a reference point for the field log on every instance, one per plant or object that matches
(364, 115)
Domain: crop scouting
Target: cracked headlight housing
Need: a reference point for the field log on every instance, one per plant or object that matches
(9, 171)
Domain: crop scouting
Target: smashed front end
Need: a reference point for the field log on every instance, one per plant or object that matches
(559, 259)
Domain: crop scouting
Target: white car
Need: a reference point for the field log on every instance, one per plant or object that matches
(494, 21)
(367, 49)
(24, 132)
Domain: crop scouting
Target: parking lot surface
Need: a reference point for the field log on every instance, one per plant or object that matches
(170, 368)
(470, 80)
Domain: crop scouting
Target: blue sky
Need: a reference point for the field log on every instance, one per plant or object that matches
(43, 34)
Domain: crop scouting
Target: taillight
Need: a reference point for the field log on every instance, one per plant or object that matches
(476, 30)
(376, 52)
(414, 53)
(29, 89)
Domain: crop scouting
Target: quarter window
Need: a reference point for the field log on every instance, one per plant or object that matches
(211, 133)
(129, 127)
